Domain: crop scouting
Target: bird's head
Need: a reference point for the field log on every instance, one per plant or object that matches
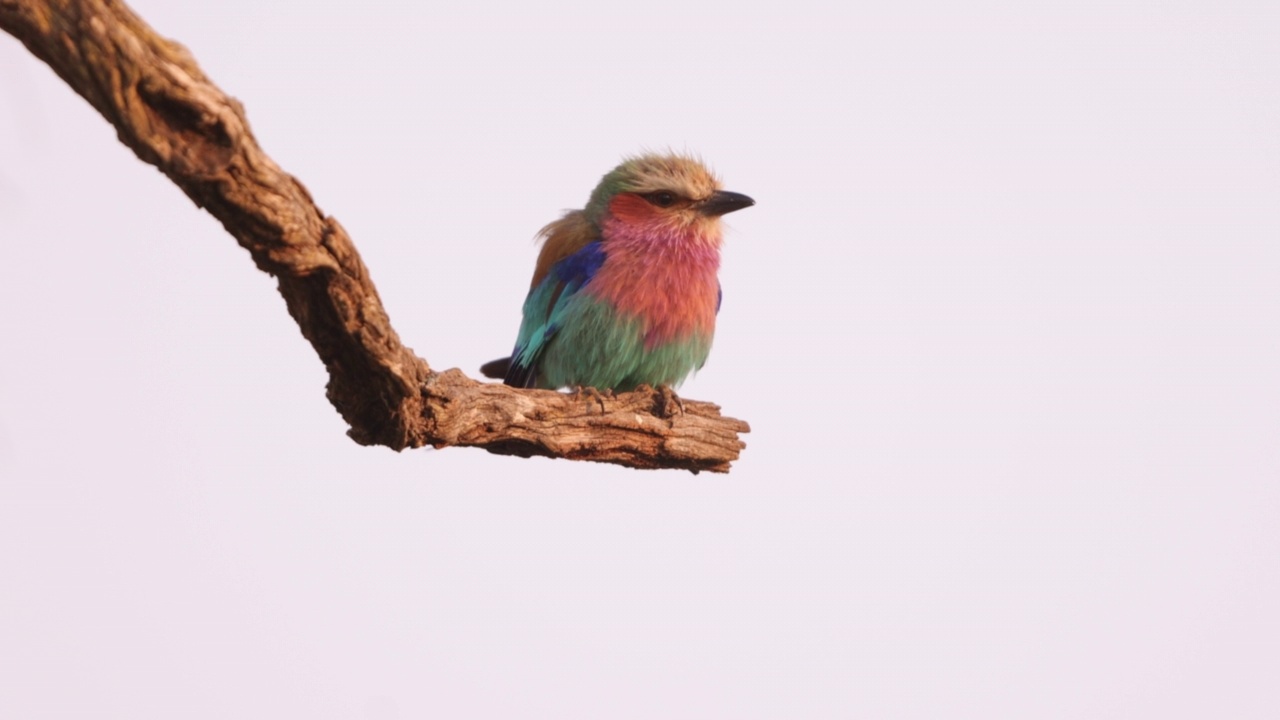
(664, 193)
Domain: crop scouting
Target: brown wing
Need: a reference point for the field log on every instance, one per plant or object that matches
(561, 239)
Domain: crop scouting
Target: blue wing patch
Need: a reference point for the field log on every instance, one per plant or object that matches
(543, 307)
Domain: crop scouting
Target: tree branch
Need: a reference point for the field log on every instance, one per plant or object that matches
(165, 109)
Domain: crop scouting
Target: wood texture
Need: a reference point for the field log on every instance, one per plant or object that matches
(165, 109)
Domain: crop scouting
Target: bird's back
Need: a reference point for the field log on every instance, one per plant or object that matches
(560, 239)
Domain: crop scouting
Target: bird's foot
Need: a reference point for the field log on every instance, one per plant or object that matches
(670, 403)
(594, 394)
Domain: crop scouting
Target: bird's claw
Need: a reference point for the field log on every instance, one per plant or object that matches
(594, 394)
(671, 404)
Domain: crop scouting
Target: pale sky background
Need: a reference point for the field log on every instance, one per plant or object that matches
(1005, 322)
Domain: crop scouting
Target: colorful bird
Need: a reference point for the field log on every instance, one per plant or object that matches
(625, 290)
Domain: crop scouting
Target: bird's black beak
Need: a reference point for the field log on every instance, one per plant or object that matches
(724, 202)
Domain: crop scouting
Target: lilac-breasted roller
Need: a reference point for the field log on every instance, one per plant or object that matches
(625, 290)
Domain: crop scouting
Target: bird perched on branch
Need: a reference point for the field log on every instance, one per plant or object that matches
(625, 290)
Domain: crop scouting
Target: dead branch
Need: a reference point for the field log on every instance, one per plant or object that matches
(165, 109)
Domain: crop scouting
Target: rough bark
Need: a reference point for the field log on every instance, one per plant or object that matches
(165, 109)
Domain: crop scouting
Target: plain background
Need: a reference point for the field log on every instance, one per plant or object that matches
(1004, 321)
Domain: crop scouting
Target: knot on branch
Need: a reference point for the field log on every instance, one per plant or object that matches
(188, 136)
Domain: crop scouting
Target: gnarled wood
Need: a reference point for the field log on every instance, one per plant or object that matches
(165, 109)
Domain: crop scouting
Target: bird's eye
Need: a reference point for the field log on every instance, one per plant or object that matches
(661, 198)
